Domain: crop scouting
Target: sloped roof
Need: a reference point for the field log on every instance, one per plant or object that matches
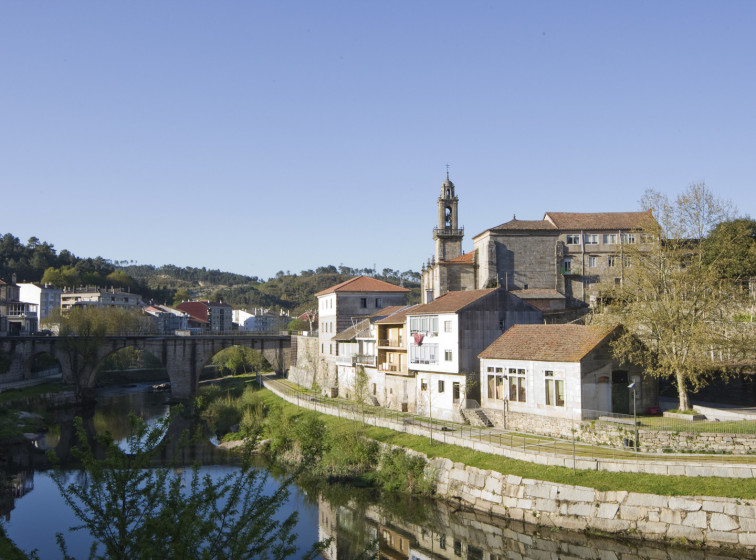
(547, 343)
(599, 220)
(536, 293)
(467, 258)
(363, 284)
(386, 312)
(358, 330)
(575, 221)
(451, 302)
(398, 317)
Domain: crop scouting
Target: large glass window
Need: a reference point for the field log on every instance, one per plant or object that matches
(427, 324)
(554, 389)
(424, 354)
(496, 386)
(517, 385)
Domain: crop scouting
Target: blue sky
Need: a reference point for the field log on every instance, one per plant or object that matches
(256, 136)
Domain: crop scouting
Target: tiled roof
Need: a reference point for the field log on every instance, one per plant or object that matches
(360, 329)
(547, 343)
(600, 220)
(398, 317)
(575, 221)
(363, 284)
(451, 302)
(535, 293)
(525, 225)
(463, 259)
(387, 311)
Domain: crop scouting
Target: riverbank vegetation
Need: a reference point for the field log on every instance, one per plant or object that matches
(331, 428)
(236, 409)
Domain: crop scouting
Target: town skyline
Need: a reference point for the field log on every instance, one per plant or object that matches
(254, 138)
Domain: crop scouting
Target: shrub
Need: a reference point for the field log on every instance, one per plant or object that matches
(400, 471)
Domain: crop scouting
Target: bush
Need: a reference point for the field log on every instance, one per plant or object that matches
(350, 451)
(400, 471)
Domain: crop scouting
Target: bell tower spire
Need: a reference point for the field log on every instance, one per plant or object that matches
(448, 235)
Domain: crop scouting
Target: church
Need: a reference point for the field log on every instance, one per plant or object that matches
(559, 262)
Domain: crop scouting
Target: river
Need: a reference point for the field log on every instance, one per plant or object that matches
(393, 527)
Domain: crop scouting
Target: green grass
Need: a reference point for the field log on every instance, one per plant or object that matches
(744, 489)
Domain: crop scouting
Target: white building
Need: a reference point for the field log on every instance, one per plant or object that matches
(44, 296)
(539, 375)
(167, 319)
(445, 338)
(260, 320)
(91, 296)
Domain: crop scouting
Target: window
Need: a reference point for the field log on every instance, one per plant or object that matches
(455, 392)
(363, 303)
(628, 238)
(612, 262)
(554, 389)
(646, 238)
(573, 239)
(379, 303)
(592, 261)
(426, 324)
(610, 239)
(447, 355)
(567, 265)
(447, 326)
(517, 390)
(423, 385)
(591, 238)
(424, 354)
(440, 386)
(628, 262)
(496, 387)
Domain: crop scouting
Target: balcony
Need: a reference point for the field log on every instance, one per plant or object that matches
(448, 232)
(571, 270)
(393, 368)
(365, 360)
(355, 360)
(391, 343)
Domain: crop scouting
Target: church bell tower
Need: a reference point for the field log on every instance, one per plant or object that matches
(448, 236)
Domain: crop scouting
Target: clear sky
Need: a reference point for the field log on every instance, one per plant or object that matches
(255, 136)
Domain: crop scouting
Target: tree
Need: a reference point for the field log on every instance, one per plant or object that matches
(134, 510)
(239, 359)
(731, 248)
(675, 307)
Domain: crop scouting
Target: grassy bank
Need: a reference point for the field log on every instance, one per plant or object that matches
(744, 489)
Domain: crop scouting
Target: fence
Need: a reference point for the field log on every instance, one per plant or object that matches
(571, 452)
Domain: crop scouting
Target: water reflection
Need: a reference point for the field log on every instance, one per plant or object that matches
(357, 520)
(449, 533)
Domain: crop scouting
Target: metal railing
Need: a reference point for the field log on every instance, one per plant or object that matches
(568, 451)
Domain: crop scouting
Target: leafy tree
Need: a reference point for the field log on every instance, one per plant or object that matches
(240, 359)
(181, 295)
(134, 510)
(731, 249)
(677, 309)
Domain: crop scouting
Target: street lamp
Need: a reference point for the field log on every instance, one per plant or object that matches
(635, 415)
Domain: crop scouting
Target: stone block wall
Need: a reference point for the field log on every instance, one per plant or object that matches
(713, 521)
(604, 433)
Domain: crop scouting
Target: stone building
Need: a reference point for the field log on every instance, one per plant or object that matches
(212, 315)
(341, 306)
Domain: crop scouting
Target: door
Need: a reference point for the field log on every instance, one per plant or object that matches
(620, 393)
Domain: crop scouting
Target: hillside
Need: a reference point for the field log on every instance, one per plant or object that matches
(38, 261)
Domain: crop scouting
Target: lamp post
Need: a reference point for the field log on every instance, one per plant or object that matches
(635, 415)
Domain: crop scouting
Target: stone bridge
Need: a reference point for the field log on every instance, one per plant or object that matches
(182, 356)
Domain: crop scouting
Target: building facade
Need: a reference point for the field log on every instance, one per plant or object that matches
(91, 296)
(44, 296)
(212, 316)
(16, 317)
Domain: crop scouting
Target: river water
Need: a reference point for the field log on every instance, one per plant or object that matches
(392, 527)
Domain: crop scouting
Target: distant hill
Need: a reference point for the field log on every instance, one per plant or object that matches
(38, 261)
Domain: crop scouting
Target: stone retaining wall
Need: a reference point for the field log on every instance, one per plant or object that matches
(604, 433)
(709, 520)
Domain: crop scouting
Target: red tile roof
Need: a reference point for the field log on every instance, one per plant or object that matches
(575, 221)
(547, 343)
(363, 284)
(451, 302)
(464, 259)
(600, 220)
